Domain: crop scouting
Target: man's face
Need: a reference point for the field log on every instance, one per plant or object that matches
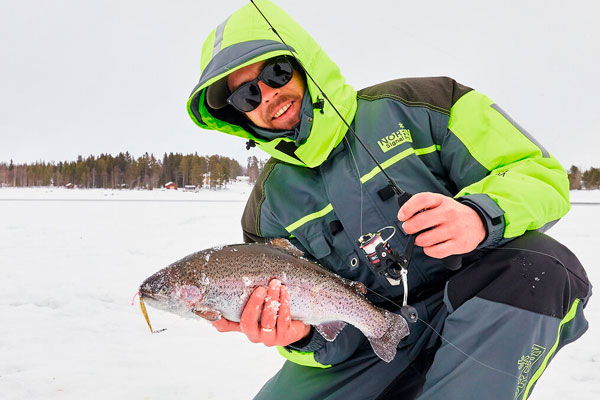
(279, 108)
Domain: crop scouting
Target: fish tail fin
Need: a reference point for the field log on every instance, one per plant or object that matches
(386, 345)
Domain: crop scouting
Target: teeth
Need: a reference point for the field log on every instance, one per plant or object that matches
(283, 109)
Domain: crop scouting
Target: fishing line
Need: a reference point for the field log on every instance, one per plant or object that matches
(397, 190)
(548, 255)
(447, 341)
(400, 193)
(467, 355)
(458, 348)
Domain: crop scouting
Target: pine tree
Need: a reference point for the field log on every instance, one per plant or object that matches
(198, 170)
(574, 178)
(252, 169)
(184, 170)
(591, 178)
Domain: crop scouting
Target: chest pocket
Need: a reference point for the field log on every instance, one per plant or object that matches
(334, 254)
(319, 246)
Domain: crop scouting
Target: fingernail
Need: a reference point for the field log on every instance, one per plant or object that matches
(275, 283)
(261, 291)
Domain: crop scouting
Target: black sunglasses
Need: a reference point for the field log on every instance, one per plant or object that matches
(276, 73)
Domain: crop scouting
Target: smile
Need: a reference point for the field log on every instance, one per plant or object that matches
(282, 110)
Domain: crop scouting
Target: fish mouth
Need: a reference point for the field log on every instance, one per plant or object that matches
(147, 295)
(152, 290)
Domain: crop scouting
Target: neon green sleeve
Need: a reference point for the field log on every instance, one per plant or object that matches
(300, 357)
(526, 182)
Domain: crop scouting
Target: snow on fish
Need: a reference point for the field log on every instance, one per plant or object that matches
(199, 286)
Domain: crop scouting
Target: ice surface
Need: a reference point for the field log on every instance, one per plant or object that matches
(70, 260)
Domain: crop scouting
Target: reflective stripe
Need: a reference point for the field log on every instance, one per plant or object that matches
(309, 217)
(389, 162)
(365, 178)
(219, 37)
(528, 135)
(427, 150)
(301, 358)
(570, 315)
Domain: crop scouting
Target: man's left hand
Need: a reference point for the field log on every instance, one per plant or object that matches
(266, 318)
(452, 227)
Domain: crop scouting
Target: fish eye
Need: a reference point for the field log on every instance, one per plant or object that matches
(163, 289)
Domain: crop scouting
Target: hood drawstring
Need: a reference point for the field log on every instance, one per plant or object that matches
(319, 105)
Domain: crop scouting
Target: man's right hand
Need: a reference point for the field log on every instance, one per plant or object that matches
(272, 307)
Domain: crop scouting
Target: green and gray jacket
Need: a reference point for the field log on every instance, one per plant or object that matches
(322, 190)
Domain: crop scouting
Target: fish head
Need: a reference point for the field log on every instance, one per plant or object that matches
(174, 289)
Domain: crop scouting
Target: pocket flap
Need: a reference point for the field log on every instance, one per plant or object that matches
(319, 246)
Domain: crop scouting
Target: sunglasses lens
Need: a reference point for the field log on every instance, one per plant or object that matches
(246, 98)
(277, 74)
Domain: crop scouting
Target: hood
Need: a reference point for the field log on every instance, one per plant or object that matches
(246, 38)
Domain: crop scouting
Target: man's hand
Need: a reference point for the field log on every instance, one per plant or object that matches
(455, 228)
(272, 306)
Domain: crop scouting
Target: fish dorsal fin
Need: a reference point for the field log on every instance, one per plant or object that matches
(286, 246)
(359, 287)
(330, 330)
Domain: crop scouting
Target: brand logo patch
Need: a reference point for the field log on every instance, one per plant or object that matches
(525, 365)
(394, 139)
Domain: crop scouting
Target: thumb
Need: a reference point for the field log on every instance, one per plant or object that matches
(224, 325)
(418, 202)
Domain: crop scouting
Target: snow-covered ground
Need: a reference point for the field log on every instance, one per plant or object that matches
(71, 261)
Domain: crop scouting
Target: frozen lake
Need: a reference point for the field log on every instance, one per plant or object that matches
(71, 261)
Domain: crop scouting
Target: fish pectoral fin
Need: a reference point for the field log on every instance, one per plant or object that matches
(210, 315)
(330, 330)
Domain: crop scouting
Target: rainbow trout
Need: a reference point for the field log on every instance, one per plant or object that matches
(217, 283)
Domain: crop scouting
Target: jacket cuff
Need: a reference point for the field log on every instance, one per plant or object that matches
(313, 342)
(491, 215)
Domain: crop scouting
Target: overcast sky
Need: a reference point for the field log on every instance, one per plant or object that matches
(80, 77)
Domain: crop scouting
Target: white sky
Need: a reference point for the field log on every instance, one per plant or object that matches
(80, 77)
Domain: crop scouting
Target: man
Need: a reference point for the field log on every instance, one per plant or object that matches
(482, 187)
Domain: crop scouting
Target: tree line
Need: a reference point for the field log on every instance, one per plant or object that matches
(125, 171)
(589, 179)
(148, 172)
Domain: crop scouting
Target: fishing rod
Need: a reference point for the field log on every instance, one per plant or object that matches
(402, 194)
(383, 260)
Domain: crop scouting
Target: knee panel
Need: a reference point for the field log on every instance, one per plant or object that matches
(533, 272)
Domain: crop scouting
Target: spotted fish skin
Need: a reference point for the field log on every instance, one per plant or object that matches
(218, 282)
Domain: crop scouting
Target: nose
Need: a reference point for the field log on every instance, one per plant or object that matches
(267, 92)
